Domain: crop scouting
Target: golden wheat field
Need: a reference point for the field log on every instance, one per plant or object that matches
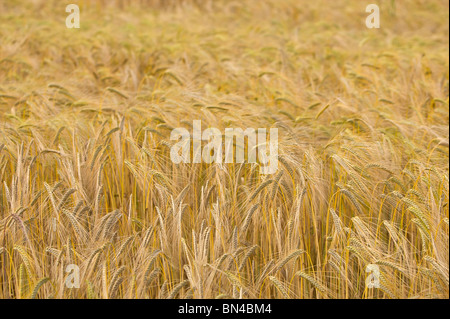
(87, 178)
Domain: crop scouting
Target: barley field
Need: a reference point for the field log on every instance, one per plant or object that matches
(87, 179)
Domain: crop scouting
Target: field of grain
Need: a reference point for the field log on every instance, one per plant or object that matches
(87, 180)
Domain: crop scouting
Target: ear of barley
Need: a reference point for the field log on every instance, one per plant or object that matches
(210, 192)
(422, 228)
(392, 231)
(7, 192)
(275, 184)
(39, 284)
(336, 221)
(287, 165)
(115, 288)
(182, 194)
(65, 198)
(176, 290)
(90, 291)
(280, 287)
(152, 261)
(356, 253)
(336, 257)
(233, 278)
(99, 176)
(35, 199)
(249, 253)
(234, 239)
(60, 256)
(259, 189)
(94, 157)
(56, 186)
(360, 227)
(379, 166)
(77, 207)
(311, 280)
(266, 270)
(25, 258)
(116, 277)
(288, 258)
(94, 254)
(391, 265)
(53, 251)
(147, 236)
(79, 230)
(441, 270)
(398, 182)
(52, 198)
(222, 259)
(84, 210)
(290, 227)
(353, 199)
(22, 226)
(248, 218)
(387, 291)
(152, 276)
(55, 139)
(98, 199)
(362, 249)
(338, 269)
(189, 294)
(23, 282)
(123, 246)
(286, 188)
(164, 290)
(418, 213)
(110, 223)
